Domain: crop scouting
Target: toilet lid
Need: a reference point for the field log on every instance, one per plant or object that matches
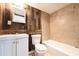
(40, 47)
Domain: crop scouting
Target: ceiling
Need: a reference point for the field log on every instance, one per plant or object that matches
(48, 7)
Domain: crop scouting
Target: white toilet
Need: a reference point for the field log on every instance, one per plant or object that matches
(39, 48)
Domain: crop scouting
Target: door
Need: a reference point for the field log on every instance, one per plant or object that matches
(7, 48)
(22, 47)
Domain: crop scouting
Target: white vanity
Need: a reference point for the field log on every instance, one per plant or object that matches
(14, 45)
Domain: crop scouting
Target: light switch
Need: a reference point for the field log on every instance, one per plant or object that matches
(9, 22)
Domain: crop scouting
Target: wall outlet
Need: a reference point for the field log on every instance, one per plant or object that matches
(9, 22)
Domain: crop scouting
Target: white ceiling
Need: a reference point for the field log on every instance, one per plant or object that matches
(48, 7)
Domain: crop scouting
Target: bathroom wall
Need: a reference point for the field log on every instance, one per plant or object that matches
(0, 18)
(45, 23)
(1, 10)
(5, 15)
(64, 25)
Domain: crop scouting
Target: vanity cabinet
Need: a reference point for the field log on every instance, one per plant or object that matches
(7, 48)
(22, 47)
(13, 47)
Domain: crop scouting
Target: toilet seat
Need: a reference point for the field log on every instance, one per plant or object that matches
(40, 48)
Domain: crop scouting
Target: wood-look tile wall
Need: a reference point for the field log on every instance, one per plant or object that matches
(5, 15)
(34, 20)
(1, 11)
(32, 17)
(64, 25)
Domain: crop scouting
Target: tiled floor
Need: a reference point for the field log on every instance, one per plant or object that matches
(49, 52)
(33, 53)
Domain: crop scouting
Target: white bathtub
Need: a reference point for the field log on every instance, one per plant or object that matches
(55, 48)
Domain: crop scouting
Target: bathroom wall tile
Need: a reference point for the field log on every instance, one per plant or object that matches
(64, 25)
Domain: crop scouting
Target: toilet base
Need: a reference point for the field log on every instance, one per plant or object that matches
(40, 49)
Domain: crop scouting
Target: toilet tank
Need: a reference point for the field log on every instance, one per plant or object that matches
(36, 39)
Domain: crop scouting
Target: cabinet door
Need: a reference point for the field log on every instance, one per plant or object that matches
(22, 47)
(7, 48)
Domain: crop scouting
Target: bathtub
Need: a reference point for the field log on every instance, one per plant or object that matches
(55, 48)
